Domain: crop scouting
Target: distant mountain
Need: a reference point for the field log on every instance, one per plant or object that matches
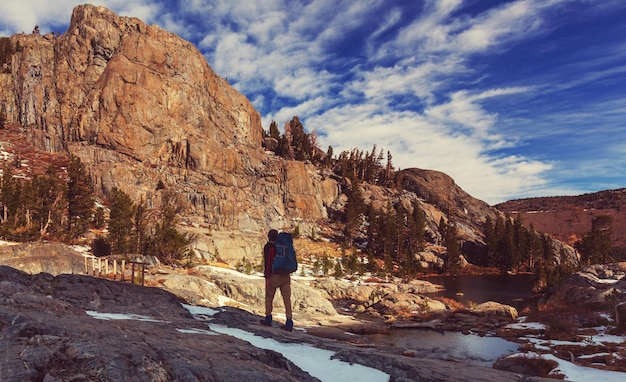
(566, 218)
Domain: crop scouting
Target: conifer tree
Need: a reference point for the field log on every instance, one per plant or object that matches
(80, 197)
(140, 226)
(338, 270)
(595, 245)
(165, 242)
(274, 133)
(121, 222)
(10, 194)
(354, 209)
(451, 242)
(491, 241)
(329, 157)
(390, 232)
(416, 229)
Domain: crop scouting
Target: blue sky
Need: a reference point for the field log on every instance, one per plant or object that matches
(512, 99)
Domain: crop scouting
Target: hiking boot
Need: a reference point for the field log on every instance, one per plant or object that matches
(267, 321)
(288, 325)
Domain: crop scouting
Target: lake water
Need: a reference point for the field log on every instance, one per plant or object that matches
(513, 290)
(448, 345)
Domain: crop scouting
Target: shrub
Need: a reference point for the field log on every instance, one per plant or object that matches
(100, 247)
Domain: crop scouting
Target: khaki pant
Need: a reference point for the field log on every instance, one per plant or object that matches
(271, 284)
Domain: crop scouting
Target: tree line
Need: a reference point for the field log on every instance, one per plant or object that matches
(373, 167)
(56, 205)
(133, 228)
(60, 205)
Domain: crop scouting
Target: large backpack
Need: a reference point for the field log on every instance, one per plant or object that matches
(285, 261)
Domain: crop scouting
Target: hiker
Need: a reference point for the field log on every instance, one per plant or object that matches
(274, 281)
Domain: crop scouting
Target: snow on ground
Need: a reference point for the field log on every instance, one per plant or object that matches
(319, 364)
(83, 250)
(120, 316)
(526, 325)
(198, 331)
(316, 362)
(234, 272)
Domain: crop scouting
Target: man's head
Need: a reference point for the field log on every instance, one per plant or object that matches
(272, 234)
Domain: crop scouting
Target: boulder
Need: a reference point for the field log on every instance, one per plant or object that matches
(495, 309)
(37, 257)
(403, 304)
(589, 285)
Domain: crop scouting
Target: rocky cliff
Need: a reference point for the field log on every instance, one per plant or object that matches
(143, 110)
(141, 107)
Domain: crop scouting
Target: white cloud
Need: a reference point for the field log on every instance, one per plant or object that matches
(422, 93)
(22, 16)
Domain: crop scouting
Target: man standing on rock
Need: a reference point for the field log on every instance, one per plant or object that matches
(274, 281)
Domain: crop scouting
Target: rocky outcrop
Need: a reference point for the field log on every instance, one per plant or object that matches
(589, 286)
(340, 290)
(53, 258)
(58, 340)
(468, 213)
(244, 291)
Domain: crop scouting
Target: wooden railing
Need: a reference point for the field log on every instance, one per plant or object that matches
(112, 268)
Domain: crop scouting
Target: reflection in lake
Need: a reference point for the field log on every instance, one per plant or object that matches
(448, 345)
(512, 290)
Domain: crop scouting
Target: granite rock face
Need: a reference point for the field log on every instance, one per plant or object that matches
(144, 111)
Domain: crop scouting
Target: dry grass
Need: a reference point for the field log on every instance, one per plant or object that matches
(454, 305)
(564, 323)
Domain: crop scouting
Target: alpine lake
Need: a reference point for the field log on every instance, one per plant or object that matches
(512, 290)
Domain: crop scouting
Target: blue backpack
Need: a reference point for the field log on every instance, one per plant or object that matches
(285, 261)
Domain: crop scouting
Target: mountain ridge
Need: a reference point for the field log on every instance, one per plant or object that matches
(567, 218)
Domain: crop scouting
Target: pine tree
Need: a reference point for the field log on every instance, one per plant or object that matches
(80, 197)
(416, 229)
(595, 245)
(10, 194)
(355, 206)
(141, 227)
(121, 221)
(491, 241)
(165, 242)
(300, 141)
(338, 270)
(274, 133)
(451, 242)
